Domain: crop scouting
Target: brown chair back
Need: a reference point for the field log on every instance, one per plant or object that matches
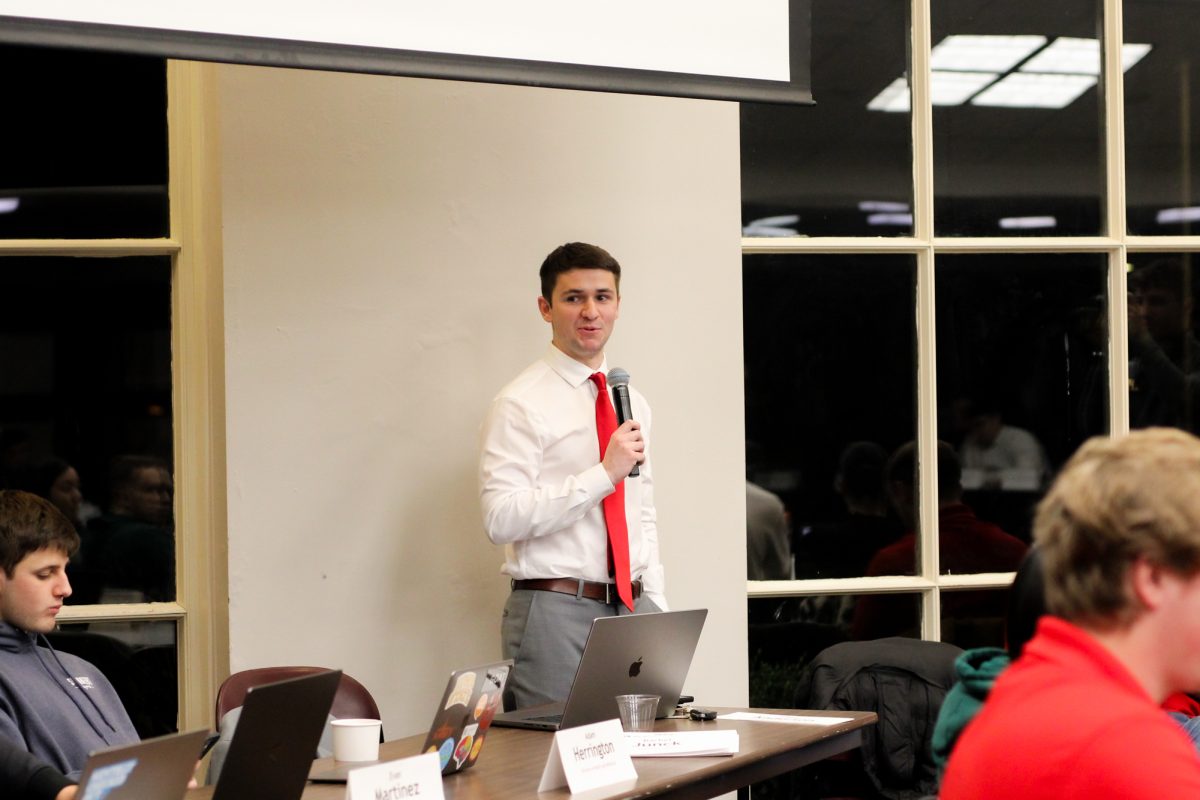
(352, 700)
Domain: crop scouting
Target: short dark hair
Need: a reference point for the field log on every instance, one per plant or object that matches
(123, 469)
(575, 255)
(902, 467)
(29, 523)
(860, 469)
(41, 477)
(1166, 273)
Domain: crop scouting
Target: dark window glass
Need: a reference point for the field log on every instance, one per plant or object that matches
(1017, 130)
(83, 147)
(85, 412)
(1164, 353)
(830, 370)
(1022, 382)
(1162, 118)
(139, 659)
(837, 168)
(787, 634)
(975, 618)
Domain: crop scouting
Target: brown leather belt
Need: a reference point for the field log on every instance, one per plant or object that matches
(604, 592)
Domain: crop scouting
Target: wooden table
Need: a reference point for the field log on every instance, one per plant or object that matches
(512, 760)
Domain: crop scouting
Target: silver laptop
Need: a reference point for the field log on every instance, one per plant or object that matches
(158, 768)
(632, 654)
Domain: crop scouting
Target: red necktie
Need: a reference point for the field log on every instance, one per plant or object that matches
(614, 504)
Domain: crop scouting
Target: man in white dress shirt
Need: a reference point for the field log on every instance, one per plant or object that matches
(542, 480)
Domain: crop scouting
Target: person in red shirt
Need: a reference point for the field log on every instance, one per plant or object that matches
(1078, 714)
(966, 544)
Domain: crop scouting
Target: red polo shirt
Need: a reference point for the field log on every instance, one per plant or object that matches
(1067, 721)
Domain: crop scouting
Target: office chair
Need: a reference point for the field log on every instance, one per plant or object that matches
(903, 681)
(352, 700)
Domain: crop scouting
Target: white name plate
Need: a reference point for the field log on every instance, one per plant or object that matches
(588, 757)
(682, 743)
(787, 719)
(403, 779)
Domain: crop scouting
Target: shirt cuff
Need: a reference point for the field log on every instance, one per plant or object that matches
(596, 483)
(47, 783)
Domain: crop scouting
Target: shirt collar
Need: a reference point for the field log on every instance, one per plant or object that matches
(575, 373)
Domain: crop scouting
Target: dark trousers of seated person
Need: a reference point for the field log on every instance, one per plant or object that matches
(543, 633)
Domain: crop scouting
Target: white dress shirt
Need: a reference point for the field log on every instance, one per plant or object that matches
(541, 480)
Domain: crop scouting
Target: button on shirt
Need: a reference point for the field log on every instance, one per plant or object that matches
(541, 480)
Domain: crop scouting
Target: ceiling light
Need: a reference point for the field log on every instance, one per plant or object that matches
(1080, 57)
(1174, 216)
(955, 88)
(772, 226)
(881, 205)
(9, 204)
(894, 98)
(890, 219)
(982, 53)
(1034, 90)
(1026, 223)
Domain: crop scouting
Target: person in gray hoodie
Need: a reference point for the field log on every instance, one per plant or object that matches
(55, 705)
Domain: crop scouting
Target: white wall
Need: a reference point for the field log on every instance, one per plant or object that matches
(382, 237)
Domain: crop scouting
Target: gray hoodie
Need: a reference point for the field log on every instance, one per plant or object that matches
(57, 705)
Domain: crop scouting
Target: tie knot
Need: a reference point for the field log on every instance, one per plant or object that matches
(598, 379)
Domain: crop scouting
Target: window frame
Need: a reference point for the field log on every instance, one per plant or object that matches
(1117, 245)
(197, 352)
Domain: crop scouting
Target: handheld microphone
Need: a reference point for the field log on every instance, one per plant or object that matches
(618, 379)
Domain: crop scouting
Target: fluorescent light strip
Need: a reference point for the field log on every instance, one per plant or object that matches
(982, 53)
(1067, 55)
(1029, 90)
(893, 99)
(889, 219)
(1028, 223)
(982, 58)
(956, 88)
(1174, 216)
(881, 205)
(9, 204)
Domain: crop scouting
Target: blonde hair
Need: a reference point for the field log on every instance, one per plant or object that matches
(1118, 500)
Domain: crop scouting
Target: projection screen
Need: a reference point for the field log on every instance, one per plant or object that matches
(751, 50)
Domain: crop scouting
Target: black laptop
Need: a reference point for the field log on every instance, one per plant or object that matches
(276, 738)
(631, 654)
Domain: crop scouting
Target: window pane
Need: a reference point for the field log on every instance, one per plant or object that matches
(837, 168)
(139, 659)
(1162, 118)
(830, 371)
(975, 618)
(85, 412)
(787, 634)
(1164, 353)
(1017, 118)
(84, 145)
(1022, 382)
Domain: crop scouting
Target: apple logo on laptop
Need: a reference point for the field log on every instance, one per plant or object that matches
(635, 668)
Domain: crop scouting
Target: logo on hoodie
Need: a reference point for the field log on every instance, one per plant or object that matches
(81, 682)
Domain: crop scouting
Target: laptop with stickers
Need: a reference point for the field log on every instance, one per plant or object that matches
(158, 768)
(468, 705)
